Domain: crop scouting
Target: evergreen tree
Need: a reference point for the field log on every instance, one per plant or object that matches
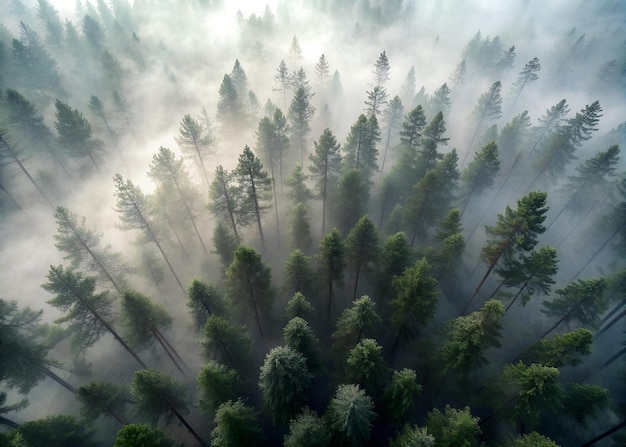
(358, 321)
(299, 275)
(393, 115)
(512, 138)
(414, 301)
(331, 261)
(533, 439)
(75, 134)
(37, 70)
(300, 227)
(98, 398)
(526, 77)
(530, 274)
(516, 231)
(407, 90)
(89, 314)
(133, 208)
(256, 187)
(83, 249)
(557, 150)
(561, 350)
(298, 306)
(377, 97)
(284, 382)
(322, 73)
(350, 415)
(458, 77)
(298, 191)
(300, 114)
(468, 336)
(366, 367)
(236, 424)
(399, 396)
(204, 300)
(489, 108)
(362, 249)
(351, 199)
(585, 401)
(298, 335)
(532, 389)
(217, 384)
(440, 101)
(224, 203)
(307, 430)
(196, 142)
(169, 174)
(225, 244)
(134, 435)
(230, 107)
(360, 147)
(325, 167)
(55, 431)
(283, 79)
(248, 285)
(453, 427)
(226, 342)
(143, 322)
(583, 301)
(480, 172)
(412, 437)
(396, 256)
(157, 394)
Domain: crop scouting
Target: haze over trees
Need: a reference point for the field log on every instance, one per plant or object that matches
(353, 223)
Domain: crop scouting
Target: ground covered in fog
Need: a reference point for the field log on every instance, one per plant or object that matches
(350, 222)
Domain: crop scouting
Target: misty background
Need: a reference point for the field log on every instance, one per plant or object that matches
(170, 58)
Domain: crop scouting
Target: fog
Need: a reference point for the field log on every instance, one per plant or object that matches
(172, 56)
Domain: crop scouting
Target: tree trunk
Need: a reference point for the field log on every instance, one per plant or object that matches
(173, 228)
(186, 424)
(13, 201)
(26, 173)
(167, 351)
(356, 280)
(330, 296)
(324, 199)
(613, 311)
(598, 251)
(257, 213)
(615, 357)
(256, 312)
(519, 292)
(231, 212)
(608, 326)
(189, 213)
(382, 168)
(605, 434)
(206, 177)
(9, 423)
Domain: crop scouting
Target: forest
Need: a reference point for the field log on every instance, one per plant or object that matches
(312, 223)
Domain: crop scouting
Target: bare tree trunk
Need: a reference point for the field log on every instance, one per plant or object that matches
(605, 434)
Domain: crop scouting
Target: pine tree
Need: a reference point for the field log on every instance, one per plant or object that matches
(227, 343)
(399, 396)
(133, 434)
(143, 322)
(284, 382)
(97, 108)
(377, 97)
(416, 437)
(169, 174)
(256, 187)
(350, 415)
(248, 286)
(204, 300)
(440, 101)
(358, 321)
(307, 430)
(322, 72)
(361, 249)
(393, 115)
(516, 231)
(299, 275)
(75, 134)
(480, 172)
(583, 301)
(90, 314)
(331, 261)
(300, 114)
(196, 142)
(283, 79)
(230, 107)
(468, 336)
(453, 427)
(225, 202)
(218, 384)
(133, 208)
(236, 424)
(351, 199)
(360, 147)
(526, 77)
(414, 301)
(298, 306)
(97, 398)
(561, 350)
(489, 108)
(325, 168)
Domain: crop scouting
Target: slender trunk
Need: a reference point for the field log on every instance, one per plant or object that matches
(482, 118)
(13, 201)
(356, 281)
(187, 209)
(58, 380)
(497, 289)
(330, 296)
(257, 213)
(275, 202)
(167, 351)
(383, 209)
(206, 177)
(156, 241)
(176, 235)
(9, 423)
(56, 159)
(324, 199)
(480, 284)
(613, 311)
(186, 424)
(111, 134)
(172, 349)
(226, 354)
(231, 212)
(615, 357)
(519, 292)
(605, 434)
(598, 251)
(382, 168)
(611, 324)
(93, 160)
(25, 171)
(395, 344)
